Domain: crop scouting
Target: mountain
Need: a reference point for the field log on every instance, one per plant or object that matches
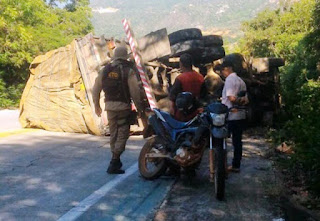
(222, 17)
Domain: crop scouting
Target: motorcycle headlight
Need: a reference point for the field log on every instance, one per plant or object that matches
(218, 119)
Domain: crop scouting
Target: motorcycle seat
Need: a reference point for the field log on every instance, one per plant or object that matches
(173, 123)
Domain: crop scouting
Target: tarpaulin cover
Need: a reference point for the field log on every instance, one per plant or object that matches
(54, 98)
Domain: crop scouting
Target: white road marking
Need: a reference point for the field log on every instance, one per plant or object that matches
(128, 147)
(85, 204)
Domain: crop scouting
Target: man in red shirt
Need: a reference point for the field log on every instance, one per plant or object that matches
(188, 81)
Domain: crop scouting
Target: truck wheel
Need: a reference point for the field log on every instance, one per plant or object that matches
(238, 62)
(208, 54)
(151, 168)
(276, 62)
(184, 35)
(212, 40)
(190, 46)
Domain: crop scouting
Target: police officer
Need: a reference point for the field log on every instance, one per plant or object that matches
(119, 81)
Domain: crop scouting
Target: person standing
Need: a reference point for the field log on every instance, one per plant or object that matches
(236, 120)
(119, 81)
(188, 81)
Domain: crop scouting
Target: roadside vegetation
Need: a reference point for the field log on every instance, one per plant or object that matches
(32, 27)
(29, 28)
(293, 33)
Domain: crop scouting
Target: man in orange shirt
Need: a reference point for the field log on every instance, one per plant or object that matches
(188, 81)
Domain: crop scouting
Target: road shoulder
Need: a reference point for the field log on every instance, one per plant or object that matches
(249, 194)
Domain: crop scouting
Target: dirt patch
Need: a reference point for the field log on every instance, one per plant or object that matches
(250, 194)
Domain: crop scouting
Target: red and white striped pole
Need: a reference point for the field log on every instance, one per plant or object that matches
(137, 59)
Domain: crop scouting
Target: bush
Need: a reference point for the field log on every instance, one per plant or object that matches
(294, 34)
(304, 130)
(32, 27)
(10, 96)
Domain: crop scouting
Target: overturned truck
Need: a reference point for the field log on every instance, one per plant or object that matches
(58, 94)
(261, 75)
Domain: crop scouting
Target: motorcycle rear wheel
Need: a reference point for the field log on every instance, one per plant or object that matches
(220, 170)
(151, 168)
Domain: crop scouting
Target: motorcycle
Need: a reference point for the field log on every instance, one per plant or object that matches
(182, 144)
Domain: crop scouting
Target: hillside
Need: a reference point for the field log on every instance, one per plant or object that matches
(212, 16)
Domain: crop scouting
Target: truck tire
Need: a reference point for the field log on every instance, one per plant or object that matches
(276, 62)
(190, 46)
(208, 54)
(239, 64)
(212, 40)
(184, 35)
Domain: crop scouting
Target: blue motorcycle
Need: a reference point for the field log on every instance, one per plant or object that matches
(182, 144)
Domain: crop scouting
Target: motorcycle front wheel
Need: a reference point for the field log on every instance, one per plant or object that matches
(151, 168)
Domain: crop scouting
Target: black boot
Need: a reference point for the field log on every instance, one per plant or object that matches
(115, 167)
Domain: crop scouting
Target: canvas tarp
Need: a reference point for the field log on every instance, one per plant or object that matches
(55, 97)
(58, 94)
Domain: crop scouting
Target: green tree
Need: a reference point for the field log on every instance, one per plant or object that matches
(32, 27)
(277, 33)
(293, 32)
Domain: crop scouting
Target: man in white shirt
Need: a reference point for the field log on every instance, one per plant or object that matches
(236, 120)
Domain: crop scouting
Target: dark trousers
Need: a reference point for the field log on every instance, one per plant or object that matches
(236, 129)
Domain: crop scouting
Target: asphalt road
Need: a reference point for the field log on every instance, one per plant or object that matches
(61, 176)
(51, 176)
(9, 120)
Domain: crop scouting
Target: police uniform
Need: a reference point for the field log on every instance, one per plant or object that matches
(119, 82)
